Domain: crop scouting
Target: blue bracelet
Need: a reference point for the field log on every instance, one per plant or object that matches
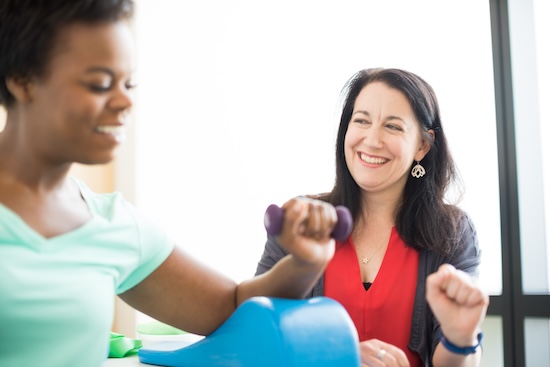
(460, 350)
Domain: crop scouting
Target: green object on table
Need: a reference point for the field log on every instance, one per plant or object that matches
(121, 346)
(158, 328)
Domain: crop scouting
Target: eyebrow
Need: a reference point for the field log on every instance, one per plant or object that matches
(100, 69)
(361, 111)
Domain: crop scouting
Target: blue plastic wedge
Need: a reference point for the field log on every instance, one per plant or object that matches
(272, 332)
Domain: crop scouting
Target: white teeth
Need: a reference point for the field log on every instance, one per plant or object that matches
(116, 131)
(372, 160)
(109, 129)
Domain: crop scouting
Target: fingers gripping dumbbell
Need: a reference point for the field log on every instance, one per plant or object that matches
(273, 222)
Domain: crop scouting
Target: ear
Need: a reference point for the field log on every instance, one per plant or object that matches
(19, 88)
(425, 146)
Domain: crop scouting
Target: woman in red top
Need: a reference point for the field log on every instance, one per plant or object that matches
(393, 168)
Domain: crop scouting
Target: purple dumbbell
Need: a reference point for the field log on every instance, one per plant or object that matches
(273, 222)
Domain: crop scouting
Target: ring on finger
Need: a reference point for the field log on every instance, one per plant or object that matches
(381, 354)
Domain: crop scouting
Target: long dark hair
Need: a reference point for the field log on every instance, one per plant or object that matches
(423, 220)
(29, 29)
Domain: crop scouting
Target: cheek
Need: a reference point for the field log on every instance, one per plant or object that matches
(353, 138)
(348, 147)
(82, 109)
(402, 146)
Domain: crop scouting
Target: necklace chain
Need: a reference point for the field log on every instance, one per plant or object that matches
(366, 259)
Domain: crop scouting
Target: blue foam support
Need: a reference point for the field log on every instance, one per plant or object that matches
(272, 332)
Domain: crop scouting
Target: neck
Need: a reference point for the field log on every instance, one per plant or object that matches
(380, 207)
(22, 164)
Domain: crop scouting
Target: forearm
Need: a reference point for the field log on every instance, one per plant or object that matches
(459, 305)
(288, 278)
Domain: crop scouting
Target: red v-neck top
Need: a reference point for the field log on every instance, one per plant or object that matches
(384, 311)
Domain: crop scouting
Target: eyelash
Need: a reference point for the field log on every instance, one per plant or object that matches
(394, 127)
(101, 89)
(130, 86)
(98, 89)
(390, 126)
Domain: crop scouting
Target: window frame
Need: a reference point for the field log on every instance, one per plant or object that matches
(513, 306)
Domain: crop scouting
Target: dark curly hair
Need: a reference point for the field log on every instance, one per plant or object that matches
(423, 220)
(29, 30)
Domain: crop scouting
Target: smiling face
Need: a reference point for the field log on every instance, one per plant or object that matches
(383, 139)
(76, 111)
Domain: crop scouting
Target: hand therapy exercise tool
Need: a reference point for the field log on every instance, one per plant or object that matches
(272, 332)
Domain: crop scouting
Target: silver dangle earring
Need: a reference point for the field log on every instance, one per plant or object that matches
(418, 171)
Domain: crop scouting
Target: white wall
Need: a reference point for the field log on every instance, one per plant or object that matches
(237, 109)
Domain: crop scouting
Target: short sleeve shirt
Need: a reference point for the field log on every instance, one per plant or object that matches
(57, 294)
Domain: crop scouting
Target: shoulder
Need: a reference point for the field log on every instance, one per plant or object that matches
(466, 253)
(106, 205)
(460, 227)
(466, 232)
(117, 212)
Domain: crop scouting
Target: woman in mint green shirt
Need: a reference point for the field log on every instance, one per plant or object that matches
(65, 81)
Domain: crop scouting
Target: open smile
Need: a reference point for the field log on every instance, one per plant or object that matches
(372, 160)
(116, 132)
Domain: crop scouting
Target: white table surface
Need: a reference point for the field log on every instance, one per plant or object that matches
(124, 362)
(161, 342)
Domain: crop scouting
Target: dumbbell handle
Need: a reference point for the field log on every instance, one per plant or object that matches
(273, 222)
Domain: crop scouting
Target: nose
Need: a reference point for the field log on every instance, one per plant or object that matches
(122, 99)
(373, 137)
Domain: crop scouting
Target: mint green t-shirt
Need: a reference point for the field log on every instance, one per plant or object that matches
(57, 294)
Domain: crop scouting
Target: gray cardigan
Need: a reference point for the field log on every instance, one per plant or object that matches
(425, 328)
